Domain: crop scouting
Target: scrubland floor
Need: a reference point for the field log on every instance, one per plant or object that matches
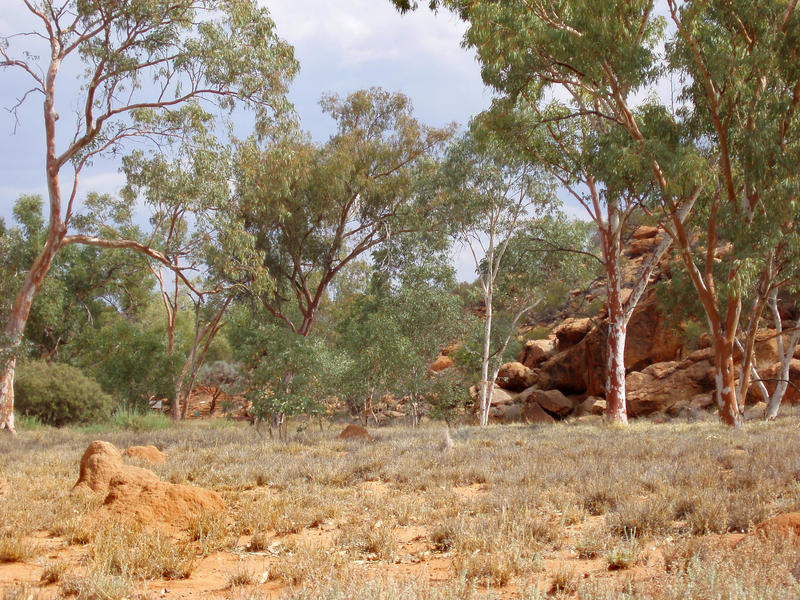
(567, 511)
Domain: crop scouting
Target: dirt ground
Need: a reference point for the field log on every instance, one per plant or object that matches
(567, 511)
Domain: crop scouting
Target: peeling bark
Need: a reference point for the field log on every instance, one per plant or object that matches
(725, 376)
(786, 354)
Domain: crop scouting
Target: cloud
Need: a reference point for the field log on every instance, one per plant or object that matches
(354, 32)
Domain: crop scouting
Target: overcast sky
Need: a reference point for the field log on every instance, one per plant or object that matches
(342, 46)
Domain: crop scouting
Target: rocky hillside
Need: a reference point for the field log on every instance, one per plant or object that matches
(564, 374)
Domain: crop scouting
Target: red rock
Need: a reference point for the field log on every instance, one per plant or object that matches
(534, 414)
(572, 331)
(515, 376)
(535, 352)
(643, 246)
(644, 232)
(441, 363)
(770, 374)
(648, 393)
(552, 401)
(591, 406)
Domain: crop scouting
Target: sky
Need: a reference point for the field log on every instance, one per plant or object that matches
(341, 47)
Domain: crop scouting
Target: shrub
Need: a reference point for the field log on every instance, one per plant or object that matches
(58, 394)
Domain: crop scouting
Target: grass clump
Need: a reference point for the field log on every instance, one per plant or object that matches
(16, 548)
(97, 585)
(624, 554)
(131, 551)
(53, 571)
(210, 531)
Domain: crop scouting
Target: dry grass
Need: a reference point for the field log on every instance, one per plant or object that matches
(324, 515)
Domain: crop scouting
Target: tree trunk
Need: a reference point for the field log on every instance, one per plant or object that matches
(487, 385)
(725, 377)
(19, 318)
(7, 397)
(616, 409)
(786, 354)
(616, 406)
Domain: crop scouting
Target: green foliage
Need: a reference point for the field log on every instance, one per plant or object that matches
(225, 376)
(449, 394)
(132, 360)
(392, 335)
(58, 394)
(312, 209)
(139, 421)
(293, 374)
(84, 284)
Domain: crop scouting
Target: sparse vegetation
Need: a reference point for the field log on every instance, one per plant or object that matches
(484, 514)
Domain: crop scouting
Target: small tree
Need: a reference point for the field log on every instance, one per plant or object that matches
(498, 194)
(223, 378)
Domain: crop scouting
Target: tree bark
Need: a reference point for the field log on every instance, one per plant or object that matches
(725, 377)
(487, 384)
(616, 403)
(19, 318)
(786, 354)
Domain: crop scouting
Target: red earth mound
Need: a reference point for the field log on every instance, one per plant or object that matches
(101, 462)
(138, 494)
(149, 454)
(355, 432)
(783, 526)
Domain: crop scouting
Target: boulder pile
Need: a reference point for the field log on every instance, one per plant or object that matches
(564, 374)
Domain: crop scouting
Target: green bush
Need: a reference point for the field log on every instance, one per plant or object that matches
(58, 394)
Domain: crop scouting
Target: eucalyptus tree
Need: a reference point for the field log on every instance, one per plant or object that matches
(186, 196)
(494, 193)
(85, 283)
(142, 66)
(394, 329)
(313, 209)
(581, 66)
(568, 74)
(743, 88)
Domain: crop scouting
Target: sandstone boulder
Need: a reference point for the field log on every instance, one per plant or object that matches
(581, 368)
(535, 352)
(534, 414)
(441, 363)
(591, 406)
(661, 386)
(757, 412)
(149, 454)
(506, 413)
(771, 373)
(644, 232)
(515, 376)
(499, 396)
(572, 331)
(553, 401)
(643, 246)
